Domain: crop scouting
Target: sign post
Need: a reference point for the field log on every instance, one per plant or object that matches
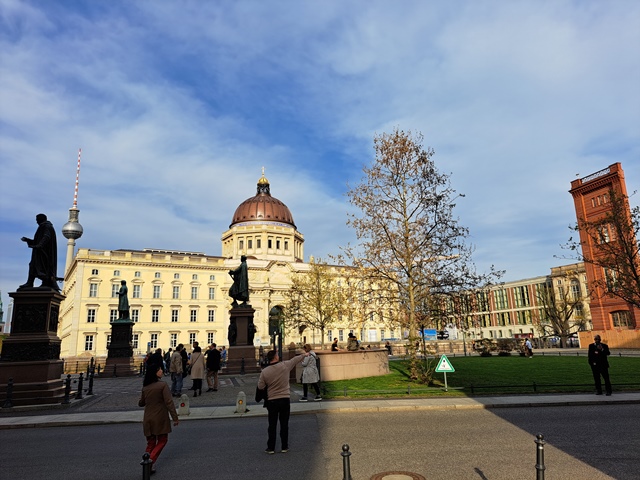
(445, 366)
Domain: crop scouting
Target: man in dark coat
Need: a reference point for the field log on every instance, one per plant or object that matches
(213, 367)
(598, 353)
(44, 255)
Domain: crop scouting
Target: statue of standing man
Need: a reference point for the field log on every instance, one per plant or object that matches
(123, 301)
(44, 255)
(239, 291)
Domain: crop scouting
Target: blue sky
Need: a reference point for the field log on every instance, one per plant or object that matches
(177, 106)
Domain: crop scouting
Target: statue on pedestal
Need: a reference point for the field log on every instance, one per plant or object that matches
(239, 291)
(44, 255)
(233, 333)
(123, 301)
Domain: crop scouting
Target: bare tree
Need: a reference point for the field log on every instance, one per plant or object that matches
(407, 233)
(314, 299)
(615, 247)
(560, 312)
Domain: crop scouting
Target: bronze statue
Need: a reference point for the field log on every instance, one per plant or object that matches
(123, 301)
(233, 333)
(251, 332)
(44, 255)
(239, 291)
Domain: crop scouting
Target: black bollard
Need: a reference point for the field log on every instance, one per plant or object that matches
(90, 391)
(79, 392)
(346, 465)
(146, 466)
(67, 390)
(242, 366)
(540, 457)
(8, 403)
(114, 370)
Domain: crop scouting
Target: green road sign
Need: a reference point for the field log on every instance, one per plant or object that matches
(444, 365)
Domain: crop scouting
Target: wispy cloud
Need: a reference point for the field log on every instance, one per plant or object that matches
(178, 106)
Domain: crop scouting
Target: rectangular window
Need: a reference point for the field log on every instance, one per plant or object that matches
(212, 293)
(156, 275)
(211, 338)
(176, 292)
(211, 317)
(137, 274)
(212, 278)
(192, 338)
(174, 315)
(156, 291)
(269, 243)
(621, 318)
(194, 293)
(249, 244)
(116, 273)
(176, 276)
(88, 343)
(94, 271)
(154, 341)
(135, 315)
(286, 244)
(93, 289)
(522, 296)
(108, 340)
(114, 290)
(258, 243)
(173, 342)
(382, 337)
(194, 315)
(241, 245)
(392, 333)
(501, 299)
(194, 276)
(134, 340)
(113, 315)
(91, 315)
(136, 291)
(330, 335)
(278, 244)
(341, 335)
(155, 315)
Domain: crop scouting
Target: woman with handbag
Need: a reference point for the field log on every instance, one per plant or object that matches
(196, 363)
(310, 374)
(158, 405)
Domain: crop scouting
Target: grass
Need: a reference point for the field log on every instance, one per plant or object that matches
(491, 376)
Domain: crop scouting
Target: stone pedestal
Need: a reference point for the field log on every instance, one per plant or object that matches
(120, 362)
(242, 316)
(31, 354)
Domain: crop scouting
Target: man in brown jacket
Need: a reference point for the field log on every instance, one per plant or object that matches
(275, 377)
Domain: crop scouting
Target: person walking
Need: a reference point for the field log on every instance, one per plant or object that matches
(310, 374)
(529, 348)
(598, 353)
(213, 367)
(158, 405)
(275, 377)
(175, 369)
(197, 370)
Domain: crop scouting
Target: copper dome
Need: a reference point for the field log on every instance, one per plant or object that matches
(262, 207)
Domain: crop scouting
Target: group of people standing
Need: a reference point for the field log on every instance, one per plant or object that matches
(199, 365)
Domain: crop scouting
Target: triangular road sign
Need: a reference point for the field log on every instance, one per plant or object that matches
(444, 365)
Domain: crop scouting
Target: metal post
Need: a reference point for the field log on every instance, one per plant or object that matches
(90, 391)
(80, 381)
(346, 465)
(67, 390)
(146, 466)
(540, 457)
(242, 366)
(115, 367)
(8, 403)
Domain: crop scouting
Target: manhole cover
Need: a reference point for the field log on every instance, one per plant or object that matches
(398, 476)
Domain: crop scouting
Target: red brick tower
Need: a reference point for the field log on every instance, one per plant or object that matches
(591, 198)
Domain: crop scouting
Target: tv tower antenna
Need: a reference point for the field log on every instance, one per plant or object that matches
(72, 229)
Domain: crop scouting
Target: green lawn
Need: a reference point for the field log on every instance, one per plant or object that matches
(492, 376)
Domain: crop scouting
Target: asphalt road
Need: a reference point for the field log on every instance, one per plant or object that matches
(587, 442)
